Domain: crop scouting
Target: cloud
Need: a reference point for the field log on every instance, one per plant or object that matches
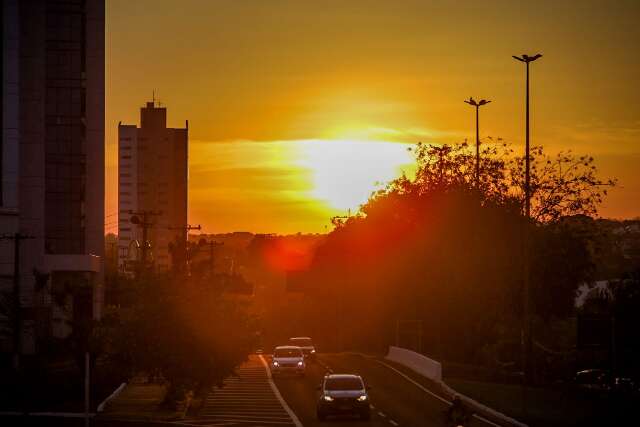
(598, 137)
(250, 177)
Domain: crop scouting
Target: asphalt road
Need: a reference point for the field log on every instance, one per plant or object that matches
(253, 399)
(396, 401)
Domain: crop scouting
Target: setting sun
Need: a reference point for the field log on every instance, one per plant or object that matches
(344, 173)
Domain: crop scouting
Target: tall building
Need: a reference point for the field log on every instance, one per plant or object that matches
(52, 164)
(152, 178)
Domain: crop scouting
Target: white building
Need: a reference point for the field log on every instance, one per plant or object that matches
(152, 177)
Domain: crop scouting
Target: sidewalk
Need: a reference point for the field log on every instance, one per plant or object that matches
(140, 400)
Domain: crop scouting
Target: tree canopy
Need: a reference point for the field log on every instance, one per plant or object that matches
(182, 330)
(439, 248)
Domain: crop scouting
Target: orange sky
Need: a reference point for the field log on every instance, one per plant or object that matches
(296, 108)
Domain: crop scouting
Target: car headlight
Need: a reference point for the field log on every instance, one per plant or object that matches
(300, 363)
(362, 398)
(313, 350)
(327, 398)
(276, 364)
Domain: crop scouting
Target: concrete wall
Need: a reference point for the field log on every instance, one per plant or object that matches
(417, 362)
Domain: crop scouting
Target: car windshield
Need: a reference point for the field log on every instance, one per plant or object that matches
(302, 342)
(287, 352)
(343, 383)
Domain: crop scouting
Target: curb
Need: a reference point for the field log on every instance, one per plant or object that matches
(47, 414)
(113, 395)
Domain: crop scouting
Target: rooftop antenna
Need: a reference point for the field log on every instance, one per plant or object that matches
(153, 97)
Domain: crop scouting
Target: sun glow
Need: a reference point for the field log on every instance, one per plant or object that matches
(345, 172)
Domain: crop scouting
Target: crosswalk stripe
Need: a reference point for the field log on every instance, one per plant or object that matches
(247, 398)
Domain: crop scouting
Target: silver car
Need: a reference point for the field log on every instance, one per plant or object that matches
(288, 359)
(306, 344)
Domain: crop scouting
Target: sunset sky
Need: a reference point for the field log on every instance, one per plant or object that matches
(297, 108)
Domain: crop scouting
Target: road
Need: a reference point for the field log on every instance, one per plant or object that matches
(254, 399)
(396, 401)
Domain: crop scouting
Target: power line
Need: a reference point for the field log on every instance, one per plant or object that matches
(143, 219)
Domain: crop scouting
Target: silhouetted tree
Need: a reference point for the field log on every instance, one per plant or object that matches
(184, 332)
(436, 248)
(562, 185)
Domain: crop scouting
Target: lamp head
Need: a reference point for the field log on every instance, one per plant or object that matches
(527, 58)
(472, 101)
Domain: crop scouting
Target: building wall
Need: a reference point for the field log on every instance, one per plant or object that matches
(53, 137)
(127, 190)
(10, 108)
(31, 185)
(65, 137)
(9, 148)
(95, 116)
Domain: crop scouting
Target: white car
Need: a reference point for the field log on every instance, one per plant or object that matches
(287, 359)
(306, 344)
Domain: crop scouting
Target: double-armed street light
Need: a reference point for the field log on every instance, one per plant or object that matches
(527, 193)
(526, 335)
(477, 104)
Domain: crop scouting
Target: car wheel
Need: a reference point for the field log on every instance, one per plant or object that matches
(365, 415)
(321, 416)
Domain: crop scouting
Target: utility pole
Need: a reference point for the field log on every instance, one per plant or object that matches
(186, 228)
(143, 219)
(477, 104)
(212, 247)
(526, 286)
(17, 315)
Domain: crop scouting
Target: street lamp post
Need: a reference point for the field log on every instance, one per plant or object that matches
(477, 104)
(526, 338)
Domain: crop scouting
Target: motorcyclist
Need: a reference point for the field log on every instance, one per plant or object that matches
(457, 414)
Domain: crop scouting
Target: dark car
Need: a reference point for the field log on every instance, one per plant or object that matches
(600, 382)
(342, 394)
(593, 380)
